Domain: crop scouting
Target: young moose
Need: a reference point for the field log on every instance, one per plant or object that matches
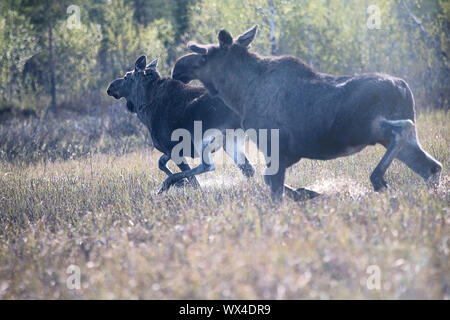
(319, 116)
(165, 105)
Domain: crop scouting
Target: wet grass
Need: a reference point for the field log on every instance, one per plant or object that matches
(101, 213)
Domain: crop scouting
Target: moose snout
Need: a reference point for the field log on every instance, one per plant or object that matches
(115, 88)
(181, 77)
(109, 91)
(112, 92)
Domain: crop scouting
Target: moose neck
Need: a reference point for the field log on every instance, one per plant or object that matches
(165, 94)
(146, 104)
(235, 83)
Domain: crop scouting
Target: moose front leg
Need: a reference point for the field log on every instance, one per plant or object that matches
(162, 165)
(276, 183)
(192, 179)
(278, 188)
(205, 166)
(239, 158)
(300, 194)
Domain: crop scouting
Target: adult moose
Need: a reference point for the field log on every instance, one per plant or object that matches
(319, 116)
(164, 105)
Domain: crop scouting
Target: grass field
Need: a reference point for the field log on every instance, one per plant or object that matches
(230, 241)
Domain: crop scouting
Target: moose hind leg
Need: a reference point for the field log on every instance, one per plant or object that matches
(397, 133)
(420, 161)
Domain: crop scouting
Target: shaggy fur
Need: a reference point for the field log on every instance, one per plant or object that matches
(164, 105)
(319, 116)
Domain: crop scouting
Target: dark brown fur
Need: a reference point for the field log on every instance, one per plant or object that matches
(319, 116)
(164, 105)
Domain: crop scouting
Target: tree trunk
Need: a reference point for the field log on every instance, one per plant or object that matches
(442, 56)
(311, 53)
(272, 28)
(52, 68)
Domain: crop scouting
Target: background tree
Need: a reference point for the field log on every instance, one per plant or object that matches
(17, 44)
(61, 64)
(44, 15)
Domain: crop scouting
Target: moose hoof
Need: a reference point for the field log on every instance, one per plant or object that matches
(194, 183)
(247, 170)
(435, 177)
(379, 184)
(302, 194)
(249, 173)
(165, 186)
(181, 183)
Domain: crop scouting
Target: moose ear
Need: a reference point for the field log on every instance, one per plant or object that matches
(225, 39)
(197, 48)
(140, 64)
(247, 37)
(153, 65)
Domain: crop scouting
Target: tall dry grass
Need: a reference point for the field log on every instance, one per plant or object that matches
(70, 135)
(101, 212)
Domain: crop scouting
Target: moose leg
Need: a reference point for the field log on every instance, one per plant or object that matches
(276, 183)
(162, 162)
(420, 161)
(278, 188)
(300, 194)
(397, 133)
(162, 165)
(205, 166)
(247, 169)
(240, 159)
(192, 179)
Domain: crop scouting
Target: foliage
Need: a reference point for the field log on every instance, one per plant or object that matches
(17, 45)
(333, 36)
(124, 41)
(77, 51)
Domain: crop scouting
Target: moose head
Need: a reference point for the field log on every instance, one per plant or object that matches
(208, 62)
(131, 85)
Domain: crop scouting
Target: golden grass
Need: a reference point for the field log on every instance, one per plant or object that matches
(230, 240)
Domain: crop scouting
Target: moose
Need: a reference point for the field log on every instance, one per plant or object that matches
(164, 105)
(319, 116)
